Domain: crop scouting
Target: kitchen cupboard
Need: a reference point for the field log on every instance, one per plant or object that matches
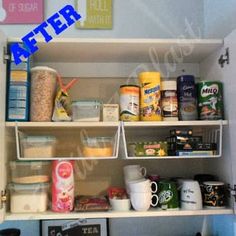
(102, 65)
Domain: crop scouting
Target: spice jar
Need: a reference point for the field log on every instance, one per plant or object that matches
(43, 88)
(169, 100)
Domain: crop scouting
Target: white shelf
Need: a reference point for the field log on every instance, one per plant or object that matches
(112, 214)
(61, 124)
(175, 123)
(100, 50)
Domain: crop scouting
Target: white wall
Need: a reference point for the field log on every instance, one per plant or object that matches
(133, 18)
(220, 17)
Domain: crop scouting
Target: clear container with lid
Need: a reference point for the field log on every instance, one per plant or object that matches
(28, 198)
(38, 146)
(43, 89)
(30, 172)
(86, 110)
(169, 100)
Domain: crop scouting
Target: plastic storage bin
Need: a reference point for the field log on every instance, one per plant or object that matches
(86, 110)
(98, 146)
(28, 172)
(38, 146)
(28, 198)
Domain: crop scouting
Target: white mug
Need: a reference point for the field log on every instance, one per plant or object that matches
(133, 172)
(143, 201)
(191, 197)
(143, 185)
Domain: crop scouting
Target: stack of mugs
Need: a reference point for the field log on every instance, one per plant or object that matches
(139, 189)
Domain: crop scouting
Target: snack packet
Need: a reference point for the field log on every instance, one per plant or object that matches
(62, 107)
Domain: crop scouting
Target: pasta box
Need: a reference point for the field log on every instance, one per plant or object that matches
(80, 227)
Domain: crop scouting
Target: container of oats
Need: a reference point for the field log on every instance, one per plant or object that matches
(43, 89)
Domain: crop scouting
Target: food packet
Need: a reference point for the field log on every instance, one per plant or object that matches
(62, 107)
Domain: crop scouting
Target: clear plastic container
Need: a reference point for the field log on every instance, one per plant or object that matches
(38, 146)
(43, 89)
(28, 198)
(30, 172)
(86, 110)
(98, 146)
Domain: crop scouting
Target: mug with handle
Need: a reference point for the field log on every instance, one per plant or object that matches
(133, 172)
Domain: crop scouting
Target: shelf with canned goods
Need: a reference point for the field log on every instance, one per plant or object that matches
(66, 140)
(172, 140)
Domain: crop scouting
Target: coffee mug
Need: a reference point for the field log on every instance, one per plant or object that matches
(133, 172)
(168, 195)
(190, 197)
(214, 194)
(145, 185)
(142, 201)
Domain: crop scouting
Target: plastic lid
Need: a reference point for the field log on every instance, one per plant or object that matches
(129, 85)
(86, 102)
(32, 164)
(169, 85)
(39, 139)
(150, 75)
(28, 187)
(43, 68)
(214, 183)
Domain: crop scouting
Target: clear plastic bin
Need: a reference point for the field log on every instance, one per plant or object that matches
(30, 172)
(86, 110)
(28, 198)
(38, 146)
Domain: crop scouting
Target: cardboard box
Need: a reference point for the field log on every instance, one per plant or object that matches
(80, 227)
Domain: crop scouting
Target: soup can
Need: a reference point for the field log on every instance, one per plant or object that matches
(210, 100)
(129, 102)
(187, 97)
(150, 99)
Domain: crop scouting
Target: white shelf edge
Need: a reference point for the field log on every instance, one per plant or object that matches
(123, 40)
(175, 123)
(112, 214)
(172, 157)
(61, 124)
(67, 158)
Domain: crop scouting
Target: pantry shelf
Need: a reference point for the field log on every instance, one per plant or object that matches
(61, 124)
(121, 50)
(113, 214)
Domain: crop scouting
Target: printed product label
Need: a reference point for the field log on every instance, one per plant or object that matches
(169, 104)
(210, 101)
(165, 196)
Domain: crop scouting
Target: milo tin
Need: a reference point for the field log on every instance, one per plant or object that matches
(210, 100)
(187, 97)
(129, 102)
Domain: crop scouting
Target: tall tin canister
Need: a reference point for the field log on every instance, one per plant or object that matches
(150, 99)
(187, 97)
(210, 100)
(129, 102)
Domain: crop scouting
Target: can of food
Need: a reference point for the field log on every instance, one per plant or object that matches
(150, 104)
(210, 100)
(169, 100)
(129, 102)
(187, 97)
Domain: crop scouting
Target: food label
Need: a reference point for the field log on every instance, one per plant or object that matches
(169, 103)
(210, 97)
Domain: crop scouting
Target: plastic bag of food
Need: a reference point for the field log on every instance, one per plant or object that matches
(62, 107)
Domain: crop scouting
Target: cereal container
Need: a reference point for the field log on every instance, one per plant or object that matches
(62, 186)
(150, 104)
(43, 88)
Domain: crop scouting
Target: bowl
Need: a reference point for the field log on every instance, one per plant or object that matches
(120, 204)
(98, 146)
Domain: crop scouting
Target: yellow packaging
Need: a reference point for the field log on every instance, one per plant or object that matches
(150, 100)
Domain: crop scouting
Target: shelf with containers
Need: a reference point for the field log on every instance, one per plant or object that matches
(102, 65)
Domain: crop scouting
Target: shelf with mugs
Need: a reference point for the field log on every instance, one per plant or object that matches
(153, 212)
(148, 140)
(78, 141)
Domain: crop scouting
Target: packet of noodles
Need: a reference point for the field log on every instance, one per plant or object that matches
(62, 106)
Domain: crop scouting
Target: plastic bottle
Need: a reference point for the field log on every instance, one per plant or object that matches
(62, 186)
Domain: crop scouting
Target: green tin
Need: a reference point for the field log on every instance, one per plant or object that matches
(210, 100)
